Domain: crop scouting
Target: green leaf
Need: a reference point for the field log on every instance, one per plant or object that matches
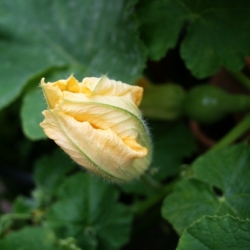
(21, 62)
(50, 171)
(161, 22)
(23, 205)
(191, 200)
(30, 238)
(212, 38)
(87, 209)
(5, 223)
(227, 169)
(67, 33)
(220, 186)
(216, 233)
(31, 114)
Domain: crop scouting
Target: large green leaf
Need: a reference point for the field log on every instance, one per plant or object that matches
(50, 171)
(97, 36)
(191, 200)
(227, 169)
(30, 238)
(212, 38)
(216, 233)
(220, 186)
(87, 209)
(161, 22)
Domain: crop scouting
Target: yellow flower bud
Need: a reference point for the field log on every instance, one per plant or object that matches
(98, 124)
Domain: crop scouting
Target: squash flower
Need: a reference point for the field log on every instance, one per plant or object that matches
(98, 124)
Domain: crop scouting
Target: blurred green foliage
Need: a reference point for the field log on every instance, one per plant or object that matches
(62, 206)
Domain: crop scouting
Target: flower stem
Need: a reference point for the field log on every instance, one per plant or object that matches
(141, 207)
(234, 134)
(149, 181)
(241, 78)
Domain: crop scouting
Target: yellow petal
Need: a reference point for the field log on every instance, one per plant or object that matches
(106, 87)
(52, 93)
(100, 151)
(72, 85)
(113, 112)
(131, 143)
